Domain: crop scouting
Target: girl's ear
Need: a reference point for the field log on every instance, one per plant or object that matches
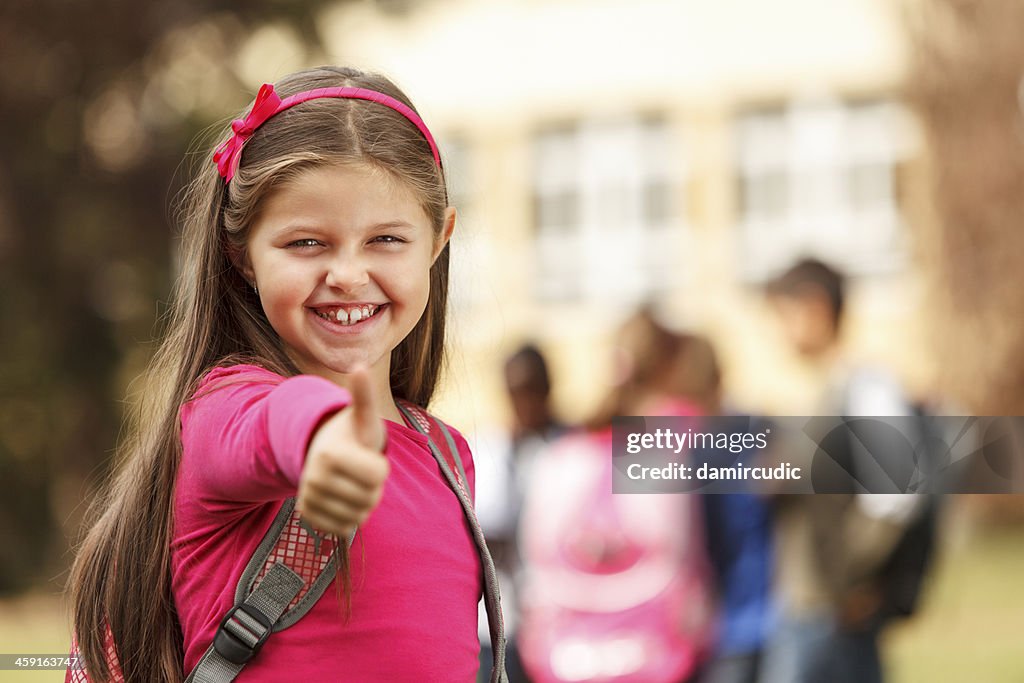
(446, 233)
(240, 260)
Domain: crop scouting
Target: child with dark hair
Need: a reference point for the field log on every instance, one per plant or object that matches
(507, 456)
(832, 550)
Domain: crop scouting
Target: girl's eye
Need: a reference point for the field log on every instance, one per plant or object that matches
(388, 239)
(309, 242)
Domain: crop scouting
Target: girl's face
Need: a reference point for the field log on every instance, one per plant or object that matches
(341, 257)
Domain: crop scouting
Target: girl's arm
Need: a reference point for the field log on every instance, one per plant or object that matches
(250, 436)
(246, 431)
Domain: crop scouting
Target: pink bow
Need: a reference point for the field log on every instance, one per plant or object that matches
(268, 104)
(228, 153)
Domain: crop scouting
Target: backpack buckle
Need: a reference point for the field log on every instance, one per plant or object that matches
(240, 636)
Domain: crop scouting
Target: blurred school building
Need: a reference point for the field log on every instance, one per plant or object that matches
(604, 154)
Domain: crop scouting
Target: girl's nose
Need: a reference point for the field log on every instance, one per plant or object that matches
(347, 272)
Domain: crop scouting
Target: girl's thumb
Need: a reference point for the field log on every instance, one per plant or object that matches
(369, 430)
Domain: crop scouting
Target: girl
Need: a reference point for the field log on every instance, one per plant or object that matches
(310, 307)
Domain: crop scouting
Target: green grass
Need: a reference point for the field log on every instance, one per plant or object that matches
(971, 625)
(33, 624)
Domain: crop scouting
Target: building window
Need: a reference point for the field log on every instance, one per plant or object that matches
(819, 179)
(607, 210)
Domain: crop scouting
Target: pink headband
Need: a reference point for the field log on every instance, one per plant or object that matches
(268, 104)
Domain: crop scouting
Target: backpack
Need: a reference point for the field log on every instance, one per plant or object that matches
(616, 587)
(900, 577)
(292, 567)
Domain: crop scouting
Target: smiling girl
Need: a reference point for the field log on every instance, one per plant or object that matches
(305, 342)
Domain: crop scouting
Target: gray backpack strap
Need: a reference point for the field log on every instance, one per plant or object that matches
(246, 627)
(452, 448)
(287, 573)
(425, 423)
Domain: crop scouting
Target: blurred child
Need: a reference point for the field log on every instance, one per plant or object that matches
(738, 529)
(505, 459)
(616, 587)
(845, 562)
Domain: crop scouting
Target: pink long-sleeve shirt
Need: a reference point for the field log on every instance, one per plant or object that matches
(415, 572)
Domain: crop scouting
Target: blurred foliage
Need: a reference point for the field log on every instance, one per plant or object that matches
(99, 102)
(965, 82)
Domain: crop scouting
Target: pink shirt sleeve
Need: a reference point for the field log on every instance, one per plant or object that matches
(245, 433)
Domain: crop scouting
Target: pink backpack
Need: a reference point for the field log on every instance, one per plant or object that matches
(616, 588)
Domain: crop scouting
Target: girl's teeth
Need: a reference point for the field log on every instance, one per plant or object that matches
(344, 317)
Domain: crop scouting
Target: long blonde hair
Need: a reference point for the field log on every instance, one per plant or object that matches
(122, 574)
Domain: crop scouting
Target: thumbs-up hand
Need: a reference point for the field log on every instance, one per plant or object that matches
(343, 476)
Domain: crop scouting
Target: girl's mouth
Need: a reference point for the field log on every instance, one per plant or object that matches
(346, 316)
